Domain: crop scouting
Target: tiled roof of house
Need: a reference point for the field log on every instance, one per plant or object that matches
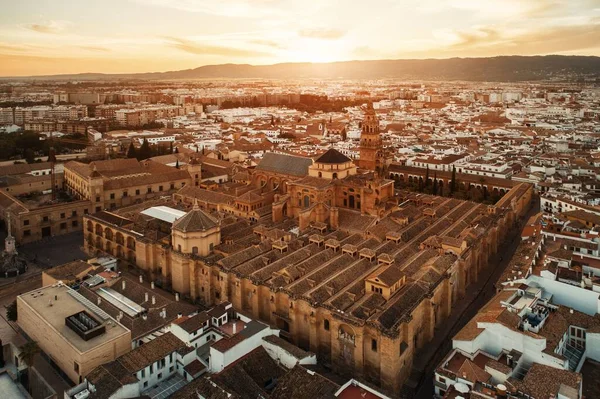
(285, 164)
(147, 354)
(299, 383)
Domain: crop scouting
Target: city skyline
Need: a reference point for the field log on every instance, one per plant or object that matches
(44, 38)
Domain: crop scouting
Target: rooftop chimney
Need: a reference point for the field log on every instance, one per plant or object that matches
(234, 327)
(164, 313)
(123, 285)
(145, 297)
(145, 316)
(153, 300)
(141, 278)
(177, 296)
(179, 315)
(152, 284)
(99, 301)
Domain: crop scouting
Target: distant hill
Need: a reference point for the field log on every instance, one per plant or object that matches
(500, 69)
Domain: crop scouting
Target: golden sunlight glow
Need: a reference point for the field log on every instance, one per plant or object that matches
(158, 35)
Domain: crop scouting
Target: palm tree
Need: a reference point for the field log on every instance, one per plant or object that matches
(28, 353)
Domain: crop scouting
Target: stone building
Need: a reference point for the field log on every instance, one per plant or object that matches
(39, 217)
(372, 154)
(121, 182)
(365, 298)
(333, 183)
(344, 267)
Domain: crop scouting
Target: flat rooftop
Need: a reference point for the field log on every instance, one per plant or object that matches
(67, 303)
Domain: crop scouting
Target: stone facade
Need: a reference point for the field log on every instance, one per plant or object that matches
(365, 303)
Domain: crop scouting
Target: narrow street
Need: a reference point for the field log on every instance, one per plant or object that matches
(421, 379)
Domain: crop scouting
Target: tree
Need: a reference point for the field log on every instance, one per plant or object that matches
(131, 151)
(29, 155)
(170, 147)
(177, 164)
(453, 181)
(176, 150)
(29, 351)
(145, 151)
(435, 183)
(11, 311)
(427, 176)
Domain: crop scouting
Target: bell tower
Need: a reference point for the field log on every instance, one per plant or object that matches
(371, 146)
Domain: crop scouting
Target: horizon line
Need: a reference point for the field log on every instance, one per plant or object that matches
(294, 63)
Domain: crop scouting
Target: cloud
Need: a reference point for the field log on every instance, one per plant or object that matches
(492, 40)
(94, 48)
(10, 48)
(268, 43)
(51, 27)
(322, 33)
(193, 47)
(226, 8)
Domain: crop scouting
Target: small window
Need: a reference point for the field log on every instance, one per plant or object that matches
(26, 222)
(74, 223)
(76, 367)
(159, 376)
(145, 384)
(326, 325)
(97, 199)
(149, 190)
(74, 213)
(143, 373)
(124, 194)
(98, 209)
(63, 226)
(112, 195)
(62, 215)
(172, 186)
(45, 219)
(160, 188)
(27, 233)
(85, 211)
(137, 192)
(374, 345)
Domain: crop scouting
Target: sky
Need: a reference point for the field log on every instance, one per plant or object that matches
(42, 37)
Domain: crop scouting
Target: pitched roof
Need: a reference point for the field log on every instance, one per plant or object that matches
(195, 220)
(299, 383)
(285, 164)
(147, 354)
(333, 156)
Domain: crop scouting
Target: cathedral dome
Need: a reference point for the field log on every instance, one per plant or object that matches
(333, 156)
(195, 220)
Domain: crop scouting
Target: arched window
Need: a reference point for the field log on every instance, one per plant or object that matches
(195, 250)
(320, 174)
(326, 324)
(335, 175)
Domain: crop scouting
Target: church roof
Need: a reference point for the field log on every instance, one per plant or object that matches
(195, 220)
(285, 164)
(333, 156)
